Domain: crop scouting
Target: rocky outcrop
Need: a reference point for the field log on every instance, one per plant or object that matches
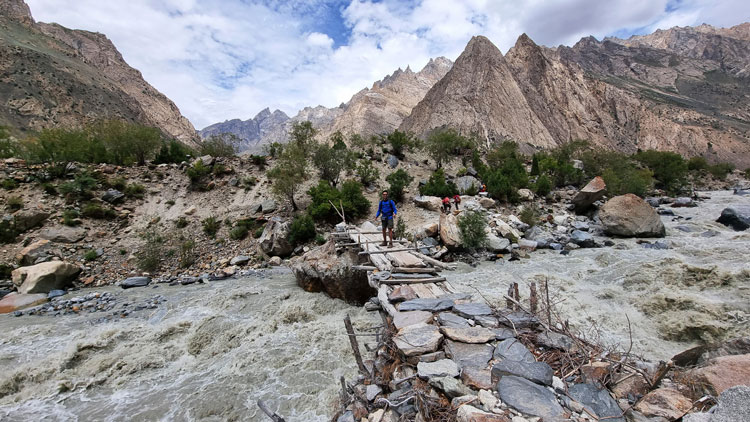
(250, 132)
(592, 192)
(668, 96)
(44, 277)
(630, 216)
(79, 77)
(450, 235)
(430, 203)
(274, 240)
(322, 270)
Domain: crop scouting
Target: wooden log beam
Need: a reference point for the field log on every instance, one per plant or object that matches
(413, 281)
(412, 276)
(355, 346)
(274, 417)
(433, 261)
(384, 303)
(408, 270)
(364, 267)
(386, 251)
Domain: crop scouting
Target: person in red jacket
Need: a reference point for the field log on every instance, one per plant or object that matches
(446, 205)
(456, 200)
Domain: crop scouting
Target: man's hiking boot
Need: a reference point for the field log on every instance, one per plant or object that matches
(383, 244)
(390, 245)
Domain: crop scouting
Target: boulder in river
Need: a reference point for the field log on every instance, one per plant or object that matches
(44, 277)
(14, 301)
(274, 240)
(737, 217)
(592, 192)
(630, 216)
(135, 282)
(323, 270)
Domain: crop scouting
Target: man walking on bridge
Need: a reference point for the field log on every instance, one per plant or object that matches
(386, 211)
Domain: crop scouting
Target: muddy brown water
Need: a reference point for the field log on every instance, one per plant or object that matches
(210, 351)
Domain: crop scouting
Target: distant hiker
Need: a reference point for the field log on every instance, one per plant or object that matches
(446, 205)
(484, 188)
(456, 200)
(386, 211)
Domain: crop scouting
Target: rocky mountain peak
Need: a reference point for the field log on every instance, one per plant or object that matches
(16, 10)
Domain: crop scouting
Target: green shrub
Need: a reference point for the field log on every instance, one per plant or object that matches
(6, 271)
(367, 173)
(81, 187)
(210, 226)
(90, 255)
(259, 232)
(197, 174)
(441, 145)
(70, 218)
(150, 253)
(320, 239)
(437, 186)
(747, 173)
(669, 168)
(134, 191)
(258, 160)
(248, 182)
(721, 170)
(220, 169)
(9, 184)
(49, 188)
(529, 216)
(543, 185)
(170, 202)
(349, 196)
(471, 225)
(172, 152)
(238, 233)
(398, 180)
(8, 231)
(697, 164)
(187, 255)
(118, 183)
(14, 203)
(400, 230)
(96, 211)
(627, 179)
(505, 173)
(401, 142)
(472, 190)
(8, 145)
(181, 223)
(301, 230)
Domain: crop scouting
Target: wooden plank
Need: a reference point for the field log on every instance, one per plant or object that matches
(426, 270)
(384, 303)
(436, 290)
(433, 261)
(414, 281)
(422, 291)
(364, 267)
(413, 276)
(387, 251)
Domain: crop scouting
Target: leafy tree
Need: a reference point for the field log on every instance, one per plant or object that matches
(289, 173)
(697, 164)
(8, 145)
(669, 168)
(332, 160)
(144, 141)
(398, 180)
(222, 145)
(366, 172)
(350, 196)
(471, 225)
(543, 185)
(720, 170)
(172, 152)
(401, 142)
(437, 186)
(442, 144)
(303, 135)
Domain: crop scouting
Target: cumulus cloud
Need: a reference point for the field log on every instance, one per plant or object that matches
(223, 59)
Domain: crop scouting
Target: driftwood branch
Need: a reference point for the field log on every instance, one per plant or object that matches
(274, 417)
(355, 346)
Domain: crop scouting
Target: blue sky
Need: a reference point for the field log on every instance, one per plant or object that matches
(224, 59)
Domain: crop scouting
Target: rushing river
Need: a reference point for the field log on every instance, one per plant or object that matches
(210, 351)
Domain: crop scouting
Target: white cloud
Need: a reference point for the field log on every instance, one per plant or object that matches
(223, 59)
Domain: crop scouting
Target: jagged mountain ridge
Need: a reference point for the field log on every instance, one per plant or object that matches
(52, 76)
(693, 99)
(371, 111)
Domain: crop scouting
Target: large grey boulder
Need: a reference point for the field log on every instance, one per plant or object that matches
(323, 270)
(268, 206)
(63, 234)
(529, 398)
(274, 241)
(28, 219)
(113, 196)
(467, 183)
(592, 192)
(450, 235)
(44, 277)
(630, 216)
(431, 203)
(131, 282)
(737, 217)
(497, 244)
(39, 250)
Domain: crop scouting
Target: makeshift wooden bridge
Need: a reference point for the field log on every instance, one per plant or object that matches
(393, 268)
